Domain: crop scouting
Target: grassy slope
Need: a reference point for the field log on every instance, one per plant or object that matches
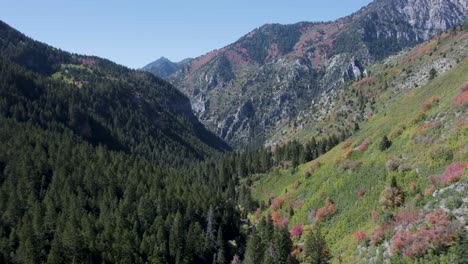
(417, 150)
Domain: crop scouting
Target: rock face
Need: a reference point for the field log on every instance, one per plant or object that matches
(163, 67)
(251, 88)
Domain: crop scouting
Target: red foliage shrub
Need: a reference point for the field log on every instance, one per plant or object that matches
(359, 235)
(453, 172)
(276, 203)
(346, 154)
(346, 144)
(429, 103)
(464, 88)
(296, 251)
(437, 233)
(374, 216)
(405, 217)
(360, 83)
(315, 164)
(326, 211)
(377, 237)
(297, 230)
(361, 192)
(363, 145)
(283, 222)
(429, 190)
(462, 97)
(275, 217)
(321, 213)
(426, 126)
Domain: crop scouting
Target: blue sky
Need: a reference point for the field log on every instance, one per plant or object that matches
(134, 33)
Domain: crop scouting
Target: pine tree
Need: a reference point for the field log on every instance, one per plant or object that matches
(253, 251)
(176, 235)
(282, 245)
(315, 247)
(220, 256)
(210, 239)
(432, 73)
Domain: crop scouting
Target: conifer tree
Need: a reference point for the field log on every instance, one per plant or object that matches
(316, 250)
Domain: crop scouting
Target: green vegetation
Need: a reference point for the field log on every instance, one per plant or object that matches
(102, 164)
(425, 128)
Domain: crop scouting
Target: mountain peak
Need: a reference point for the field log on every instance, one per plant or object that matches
(163, 67)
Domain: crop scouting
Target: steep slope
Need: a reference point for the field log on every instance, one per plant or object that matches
(102, 164)
(248, 90)
(377, 200)
(163, 67)
(99, 101)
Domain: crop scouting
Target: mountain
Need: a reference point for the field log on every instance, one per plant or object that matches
(250, 89)
(394, 191)
(99, 101)
(163, 67)
(103, 164)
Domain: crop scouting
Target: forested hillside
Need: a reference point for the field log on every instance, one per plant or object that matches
(100, 101)
(100, 164)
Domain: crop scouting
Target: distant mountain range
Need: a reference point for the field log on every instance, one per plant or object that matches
(163, 67)
(269, 78)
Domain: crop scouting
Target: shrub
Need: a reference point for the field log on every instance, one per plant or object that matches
(276, 203)
(360, 83)
(297, 231)
(392, 164)
(346, 144)
(429, 190)
(361, 192)
(429, 103)
(391, 197)
(349, 165)
(419, 117)
(454, 171)
(436, 234)
(325, 212)
(374, 216)
(359, 235)
(296, 251)
(442, 154)
(462, 97)
(454, 202)
(363, 145)
(347, 154)
(314, 165)
(385, 143)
